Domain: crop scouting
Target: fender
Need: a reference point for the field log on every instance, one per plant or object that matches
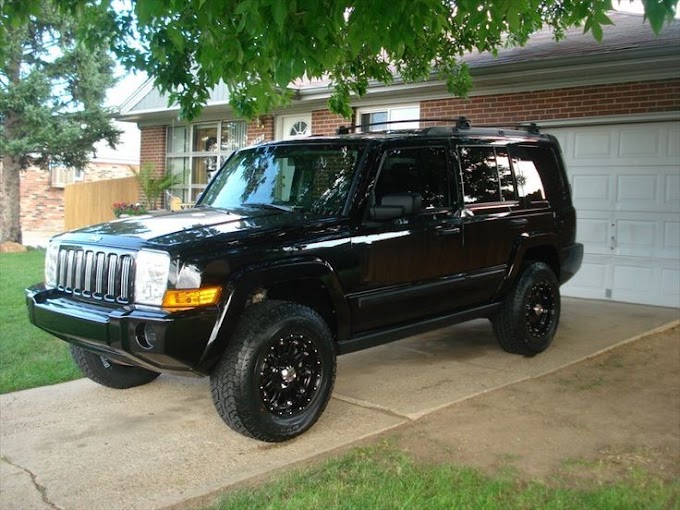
(243, 282)
(522, 245)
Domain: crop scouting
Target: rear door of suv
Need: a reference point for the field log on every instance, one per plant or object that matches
(503, 203)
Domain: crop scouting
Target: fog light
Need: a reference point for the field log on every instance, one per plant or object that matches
(146, 335)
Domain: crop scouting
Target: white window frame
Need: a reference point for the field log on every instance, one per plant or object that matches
(281, 120)
(190, 154)
(390, 111)
(61, 176)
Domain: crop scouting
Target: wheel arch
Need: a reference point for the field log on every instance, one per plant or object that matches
(309, 282)
(527, 249)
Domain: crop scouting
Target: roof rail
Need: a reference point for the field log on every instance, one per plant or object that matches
(460, 123)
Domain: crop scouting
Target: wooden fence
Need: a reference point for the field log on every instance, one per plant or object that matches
(87, 203)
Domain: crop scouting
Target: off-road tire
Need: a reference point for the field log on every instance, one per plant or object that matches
(528, 317)
(281, 353)
(107, 373)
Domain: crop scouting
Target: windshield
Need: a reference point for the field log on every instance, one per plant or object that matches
(308, 178)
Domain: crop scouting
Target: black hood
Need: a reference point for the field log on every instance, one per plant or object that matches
(165, 230)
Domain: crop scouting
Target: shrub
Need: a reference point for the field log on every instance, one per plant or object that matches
(120, 208)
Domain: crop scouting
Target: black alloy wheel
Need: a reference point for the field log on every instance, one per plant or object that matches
(290, 374)
(276, 375)
(528, 317)
(540, 309)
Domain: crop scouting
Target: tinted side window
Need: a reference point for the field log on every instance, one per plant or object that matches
(419, 170)
(486, 174)
(526, 162)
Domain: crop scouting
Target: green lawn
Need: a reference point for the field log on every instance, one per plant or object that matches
(29, 357)
(381, 477)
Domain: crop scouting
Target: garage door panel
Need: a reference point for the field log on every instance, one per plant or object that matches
(642, 142)
(626, 189)
(592, 191)
(594, 144)
(636, 238)
(673, 146)
(636, 145)
(637, 191)
(655, 285)
(670, 243)
(591, 281)
(596, 233)
(670, 286)
(672, 190)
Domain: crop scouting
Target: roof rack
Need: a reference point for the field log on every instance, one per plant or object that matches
(460, 123)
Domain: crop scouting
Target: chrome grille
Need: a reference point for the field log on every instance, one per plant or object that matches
(96, 274)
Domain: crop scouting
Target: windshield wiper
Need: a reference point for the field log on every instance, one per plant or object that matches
(278, 207)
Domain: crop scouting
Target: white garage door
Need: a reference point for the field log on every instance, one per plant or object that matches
(626, 185)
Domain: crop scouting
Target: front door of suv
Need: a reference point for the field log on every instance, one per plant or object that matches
(409, 266)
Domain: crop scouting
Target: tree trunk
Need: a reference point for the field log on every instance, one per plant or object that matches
(10, 164)
(10, 200)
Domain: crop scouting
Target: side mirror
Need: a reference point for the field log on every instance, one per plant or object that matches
(385, 212)
(396, 205)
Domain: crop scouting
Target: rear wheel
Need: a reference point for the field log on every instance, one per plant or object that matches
(528, 317)
(276, 376)
(107, 373)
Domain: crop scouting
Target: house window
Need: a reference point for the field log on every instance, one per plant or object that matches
(382, 119)
(60, 176)
(196, 151)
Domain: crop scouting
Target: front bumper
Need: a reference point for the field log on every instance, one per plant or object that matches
(114, 332)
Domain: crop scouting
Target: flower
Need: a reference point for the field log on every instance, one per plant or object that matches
(124, 208)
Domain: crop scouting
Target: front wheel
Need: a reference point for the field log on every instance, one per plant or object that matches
(528, 317)
(277, 373)
(107, 373)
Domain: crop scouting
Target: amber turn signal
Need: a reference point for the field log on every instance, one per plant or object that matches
(190, 298)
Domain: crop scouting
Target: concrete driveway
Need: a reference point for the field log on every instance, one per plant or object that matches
(78, 445)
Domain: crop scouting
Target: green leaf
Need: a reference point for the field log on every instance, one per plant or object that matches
(176, 38)
(597, 32)
(243, 7)
(279, 11)
(656, 11)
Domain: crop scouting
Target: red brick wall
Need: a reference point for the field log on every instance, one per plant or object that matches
(568, 103)
(325, 123)
(152, 148)
(260, 130)
(42, 206)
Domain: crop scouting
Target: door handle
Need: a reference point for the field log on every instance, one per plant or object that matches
(519, 222)
(448, 231)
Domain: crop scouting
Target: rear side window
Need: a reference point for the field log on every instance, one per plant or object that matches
(536, 171)
(525, 162)
(486, 174)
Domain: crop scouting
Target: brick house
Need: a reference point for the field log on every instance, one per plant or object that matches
(614, 106)
(42, 191)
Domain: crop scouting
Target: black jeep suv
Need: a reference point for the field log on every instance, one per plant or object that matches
(301, 250)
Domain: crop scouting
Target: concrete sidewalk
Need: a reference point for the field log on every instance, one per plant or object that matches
(78, 445)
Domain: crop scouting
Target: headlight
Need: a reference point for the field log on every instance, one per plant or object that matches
(51, 259)
(151, 277)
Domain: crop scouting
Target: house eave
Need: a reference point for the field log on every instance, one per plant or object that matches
(489, 77)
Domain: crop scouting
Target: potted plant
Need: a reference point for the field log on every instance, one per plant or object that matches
(152, 186)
